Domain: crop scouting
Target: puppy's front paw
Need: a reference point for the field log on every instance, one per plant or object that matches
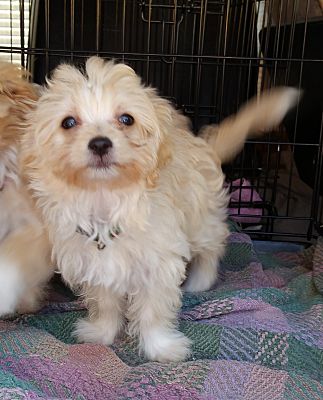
(97, 331)
(165, 345)
(202, 274)
(197, 285)
(7, 307)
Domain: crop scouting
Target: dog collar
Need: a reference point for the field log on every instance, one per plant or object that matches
(113, 234)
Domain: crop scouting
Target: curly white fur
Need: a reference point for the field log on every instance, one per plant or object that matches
(161, 186)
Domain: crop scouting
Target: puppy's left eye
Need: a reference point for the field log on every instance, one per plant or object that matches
(126, 119)
(69, 122)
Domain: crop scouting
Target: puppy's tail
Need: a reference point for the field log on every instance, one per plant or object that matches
(254, 118)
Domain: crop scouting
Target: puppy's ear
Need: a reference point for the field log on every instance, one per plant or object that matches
(16, 94)
(11, 73)
(14, 84)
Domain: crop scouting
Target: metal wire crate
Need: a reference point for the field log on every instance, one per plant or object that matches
(208, 57)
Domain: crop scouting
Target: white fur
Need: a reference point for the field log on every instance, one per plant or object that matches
(165, 344)
(172, 211)
(11, 286)
(289, 97)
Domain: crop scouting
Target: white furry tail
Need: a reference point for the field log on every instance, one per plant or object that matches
(256, 117)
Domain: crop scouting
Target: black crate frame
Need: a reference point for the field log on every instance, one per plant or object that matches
(208, 57)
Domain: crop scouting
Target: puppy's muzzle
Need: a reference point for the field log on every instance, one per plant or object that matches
(100, 145)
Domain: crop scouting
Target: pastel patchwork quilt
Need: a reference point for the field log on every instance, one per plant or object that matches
(257, 335)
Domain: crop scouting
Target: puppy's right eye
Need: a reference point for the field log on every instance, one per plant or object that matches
(69, 122)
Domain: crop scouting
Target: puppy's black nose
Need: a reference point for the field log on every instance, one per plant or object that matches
(100, 145)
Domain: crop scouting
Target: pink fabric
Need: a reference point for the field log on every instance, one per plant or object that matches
(246, 193)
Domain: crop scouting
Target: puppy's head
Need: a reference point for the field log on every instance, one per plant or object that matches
(16, 94)
(98, 128)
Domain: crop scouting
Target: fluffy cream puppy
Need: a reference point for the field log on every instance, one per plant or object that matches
(24, 246)
(130, 197)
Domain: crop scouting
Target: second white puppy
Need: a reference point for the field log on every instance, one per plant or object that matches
(24, 248)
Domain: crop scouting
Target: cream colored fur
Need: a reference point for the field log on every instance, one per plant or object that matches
(160, 185)
(257, 116)
(24, 247)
